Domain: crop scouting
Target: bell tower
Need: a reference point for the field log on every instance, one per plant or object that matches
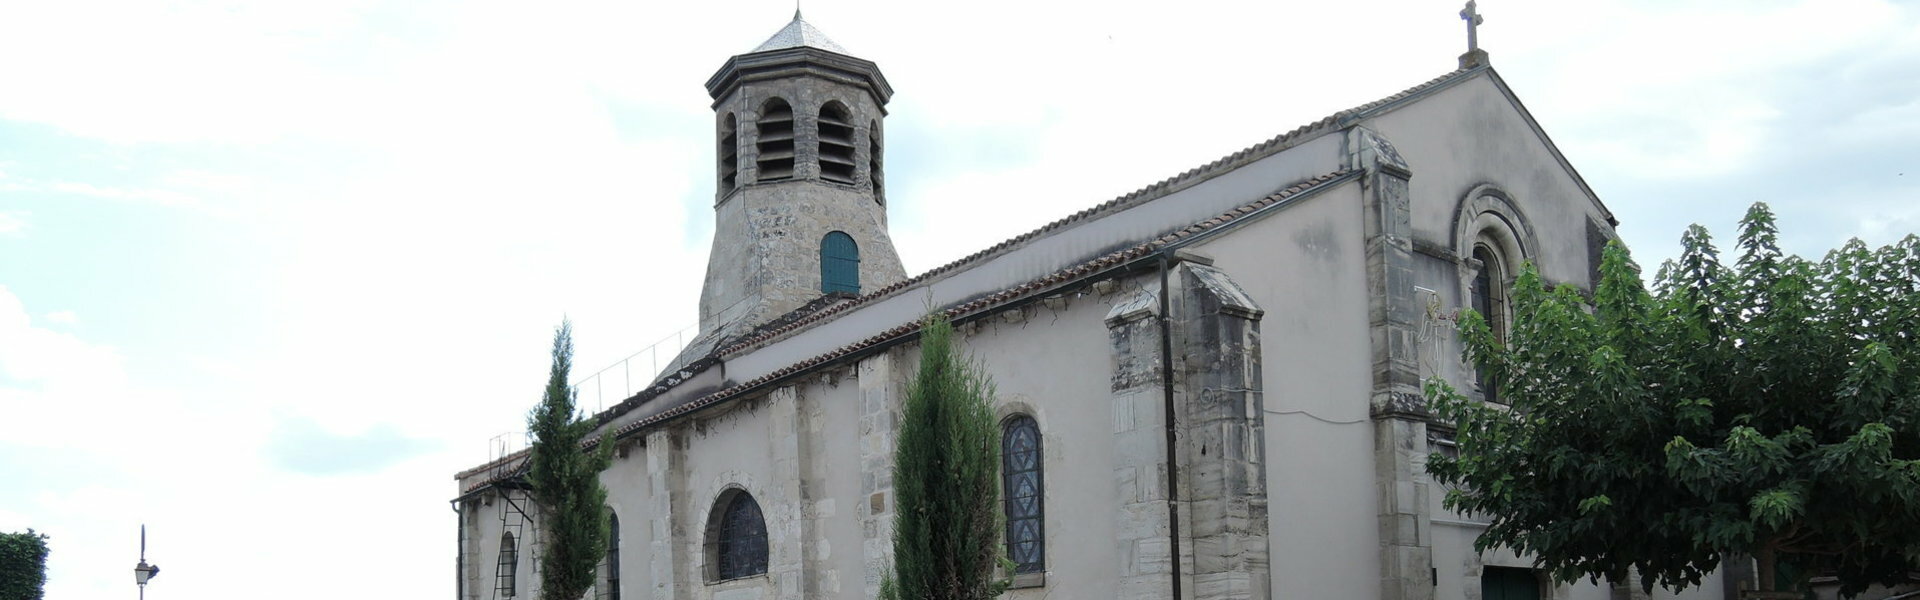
(800, 200)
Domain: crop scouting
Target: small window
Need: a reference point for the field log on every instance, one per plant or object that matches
(611, 586)
(836, 143)
(736, 538)
(875, 175)
(505, 571)
(1489, 297)
(1025, 494)
(839, 264)
(775, 141)
(729, 153)
(1508, 583)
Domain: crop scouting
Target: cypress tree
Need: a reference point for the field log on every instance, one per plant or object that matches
(566, 483)
(946, 471)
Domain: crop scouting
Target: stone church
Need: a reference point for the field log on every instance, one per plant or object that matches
(1209, 387)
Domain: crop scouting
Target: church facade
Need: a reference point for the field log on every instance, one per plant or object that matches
(1209, 387)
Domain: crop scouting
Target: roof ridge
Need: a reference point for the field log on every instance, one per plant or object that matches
(1122, 202)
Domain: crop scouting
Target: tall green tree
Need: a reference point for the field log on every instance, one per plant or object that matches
(23, 565)
(566, 483)
(946, 479)
(1768, 408)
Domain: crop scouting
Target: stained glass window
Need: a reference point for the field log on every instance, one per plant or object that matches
(742, 549)
(612, 591)
(504, 571)
(1025, 494)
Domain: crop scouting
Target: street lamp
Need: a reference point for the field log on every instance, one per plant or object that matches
(143, 571)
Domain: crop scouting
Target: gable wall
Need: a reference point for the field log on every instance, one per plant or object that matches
(1471, 134)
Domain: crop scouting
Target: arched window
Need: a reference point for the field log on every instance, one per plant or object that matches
(736, 538)
(1025, 494)
(729, 153)
(836, 143)
(1489, 298)
(612, 583)
(775, 140)
(839, 264)
(504, 573)
(875, 175)
(1491, 239)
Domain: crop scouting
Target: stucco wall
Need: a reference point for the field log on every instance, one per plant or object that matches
(1306, 267)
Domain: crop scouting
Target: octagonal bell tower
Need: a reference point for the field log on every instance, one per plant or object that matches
(800, 198)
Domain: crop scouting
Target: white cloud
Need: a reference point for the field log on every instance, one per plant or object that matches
(13, 221)
(47, 359)
(64, 317)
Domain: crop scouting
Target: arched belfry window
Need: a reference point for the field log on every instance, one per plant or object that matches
(1489, 298)
(875, 175)
(839, 264)
(736, 537)
(505, 572)
(836, 143)
(775, 141)
(729, 153)
(610, 586)
(1025, 493)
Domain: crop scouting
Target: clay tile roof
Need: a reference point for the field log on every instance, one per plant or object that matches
(1049, 281)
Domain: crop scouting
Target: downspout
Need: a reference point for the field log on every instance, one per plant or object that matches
(1173, 464)
(460, 559)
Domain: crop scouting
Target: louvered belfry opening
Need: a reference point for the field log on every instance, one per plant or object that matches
(775, 141)
(836, 143)
(874, 172)
(729, 154)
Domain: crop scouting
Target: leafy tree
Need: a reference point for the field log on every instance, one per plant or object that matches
(946, 472)
(23, 565)
(566, 483)
(1768, 408)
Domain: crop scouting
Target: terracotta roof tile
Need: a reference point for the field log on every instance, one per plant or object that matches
(1075, 272)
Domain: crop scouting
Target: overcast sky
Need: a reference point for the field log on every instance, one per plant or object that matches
(270, 273)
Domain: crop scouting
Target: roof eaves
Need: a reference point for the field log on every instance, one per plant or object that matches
(1104, 263)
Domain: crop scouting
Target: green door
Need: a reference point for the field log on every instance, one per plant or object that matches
(839, 264)
(1507, 583)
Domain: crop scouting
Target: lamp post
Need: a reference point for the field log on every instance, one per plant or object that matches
(143, 571)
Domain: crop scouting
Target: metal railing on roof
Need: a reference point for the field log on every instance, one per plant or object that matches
(626, 377)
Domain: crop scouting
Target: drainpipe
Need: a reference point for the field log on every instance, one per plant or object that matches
(459, 559)
(1173, 464)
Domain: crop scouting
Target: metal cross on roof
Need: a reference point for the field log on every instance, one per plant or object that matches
(1472, 16)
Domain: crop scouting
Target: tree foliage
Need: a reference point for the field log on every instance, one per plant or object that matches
(1769, 408)
(566, 483)
(946, 472)
(23, 565)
